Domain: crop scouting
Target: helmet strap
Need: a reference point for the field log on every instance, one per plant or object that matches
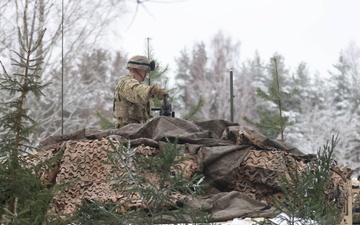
(137, 72)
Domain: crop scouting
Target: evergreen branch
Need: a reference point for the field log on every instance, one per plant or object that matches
(105, 123)
(268, 97)
(304, 192)
(154, 178)
(26, 190)
(20, 56)
(274, 122)
(190, 115)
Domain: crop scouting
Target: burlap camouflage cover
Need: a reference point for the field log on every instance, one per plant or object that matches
(240, 165)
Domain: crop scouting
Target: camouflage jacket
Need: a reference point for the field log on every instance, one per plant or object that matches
(132, 102)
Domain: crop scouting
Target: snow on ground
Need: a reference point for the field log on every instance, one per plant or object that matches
(279, 220)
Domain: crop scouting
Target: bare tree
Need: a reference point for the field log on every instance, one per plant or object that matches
(73, 29)
(81, 23)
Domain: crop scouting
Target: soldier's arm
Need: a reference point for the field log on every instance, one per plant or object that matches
(135, 92)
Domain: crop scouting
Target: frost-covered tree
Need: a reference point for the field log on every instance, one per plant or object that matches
(345, 104)
(183, 75)
(225, 56)
(81, 24)
(308, 107)
(73, 29)
(329, 106)
(190, 76)
(207, 75)
(252, 75)
(88, 87)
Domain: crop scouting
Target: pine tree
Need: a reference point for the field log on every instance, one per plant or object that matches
(159, 75)
(304, 194)
(105, 122)
(273, 122)
(194, 109)
(23, 198)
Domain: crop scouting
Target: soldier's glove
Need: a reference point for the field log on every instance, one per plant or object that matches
(158, 92)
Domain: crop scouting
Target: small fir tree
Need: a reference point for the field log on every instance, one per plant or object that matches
(305, 195)
(105, 122)
(194, 109)
(274, 122)
(23, 198)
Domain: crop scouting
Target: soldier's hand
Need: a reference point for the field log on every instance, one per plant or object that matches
(158, 92)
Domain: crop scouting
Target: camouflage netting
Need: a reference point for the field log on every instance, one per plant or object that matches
(241, 166)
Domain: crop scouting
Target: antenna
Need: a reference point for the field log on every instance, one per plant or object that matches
(148, 52)
(62, 68)
(231, 96)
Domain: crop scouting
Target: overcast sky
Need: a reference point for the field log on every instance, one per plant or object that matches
(313, 31)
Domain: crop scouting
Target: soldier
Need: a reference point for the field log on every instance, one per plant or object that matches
(131, 97)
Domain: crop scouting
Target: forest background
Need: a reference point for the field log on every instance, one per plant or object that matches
(81, 69)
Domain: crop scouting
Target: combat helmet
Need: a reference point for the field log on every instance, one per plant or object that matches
(141, 62)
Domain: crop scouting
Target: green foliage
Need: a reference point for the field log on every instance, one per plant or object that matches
(159, 74)
(274, 121)
(153, 185)
(194, 109)
(26, 200)
(23, 198)
(305, 196)
(105, 122)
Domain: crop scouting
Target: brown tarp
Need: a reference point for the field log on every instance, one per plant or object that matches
(241, 166)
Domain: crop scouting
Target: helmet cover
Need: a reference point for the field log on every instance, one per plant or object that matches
(141, 62)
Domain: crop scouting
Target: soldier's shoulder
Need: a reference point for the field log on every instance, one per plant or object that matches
(131, 80)
(125, 77)
(127, 82)
(128, 78)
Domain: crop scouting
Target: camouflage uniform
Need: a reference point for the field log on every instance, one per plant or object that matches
(132, 102)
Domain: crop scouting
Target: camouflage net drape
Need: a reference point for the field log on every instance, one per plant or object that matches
(241, 166)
